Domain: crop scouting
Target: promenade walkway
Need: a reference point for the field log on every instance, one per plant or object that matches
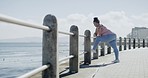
(133, 64)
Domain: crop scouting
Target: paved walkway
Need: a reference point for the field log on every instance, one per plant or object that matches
(133, 64)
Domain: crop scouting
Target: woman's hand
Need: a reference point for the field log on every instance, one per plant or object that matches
(95, 34)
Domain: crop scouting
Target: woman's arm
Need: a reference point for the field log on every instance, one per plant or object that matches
(95, 34)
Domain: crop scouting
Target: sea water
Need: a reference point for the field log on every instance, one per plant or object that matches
(17, 59)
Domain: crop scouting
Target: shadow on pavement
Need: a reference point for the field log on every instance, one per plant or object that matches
(100, 65)
(85, 66)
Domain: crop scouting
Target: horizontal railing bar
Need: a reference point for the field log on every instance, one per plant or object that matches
(22, 23)
(65, 33)
(82, 35)
(66, 58)
(92, 37)
(82, 53)
(35, 71)
(12, 20)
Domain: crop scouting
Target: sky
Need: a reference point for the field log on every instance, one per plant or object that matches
(120, 16)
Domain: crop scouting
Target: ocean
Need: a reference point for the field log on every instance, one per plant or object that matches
(17, 59)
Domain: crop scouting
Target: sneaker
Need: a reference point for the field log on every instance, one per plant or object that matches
(116, 61)
(94, 51)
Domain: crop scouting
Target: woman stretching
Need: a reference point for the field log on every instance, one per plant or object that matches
(105, 35)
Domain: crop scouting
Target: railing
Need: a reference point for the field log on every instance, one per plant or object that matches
(50, 63)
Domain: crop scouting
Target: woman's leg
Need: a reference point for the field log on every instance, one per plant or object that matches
(114, 46)
(97, 41)
(104, 38)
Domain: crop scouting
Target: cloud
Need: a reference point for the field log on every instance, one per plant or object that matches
(84, 22)
(117, 21)
(140, 20)
(10, 31)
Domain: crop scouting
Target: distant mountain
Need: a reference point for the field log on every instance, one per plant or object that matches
(26, 39)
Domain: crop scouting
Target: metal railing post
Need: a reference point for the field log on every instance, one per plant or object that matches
(102, 51)
(95, 55)
(120, 43)
(138, 43)
(134, 43)
(124, 43)
(50, 50)
(147, 42)
(108, 50)
(87, 47)
(74, 50)
(143, 43)
(129, 47)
